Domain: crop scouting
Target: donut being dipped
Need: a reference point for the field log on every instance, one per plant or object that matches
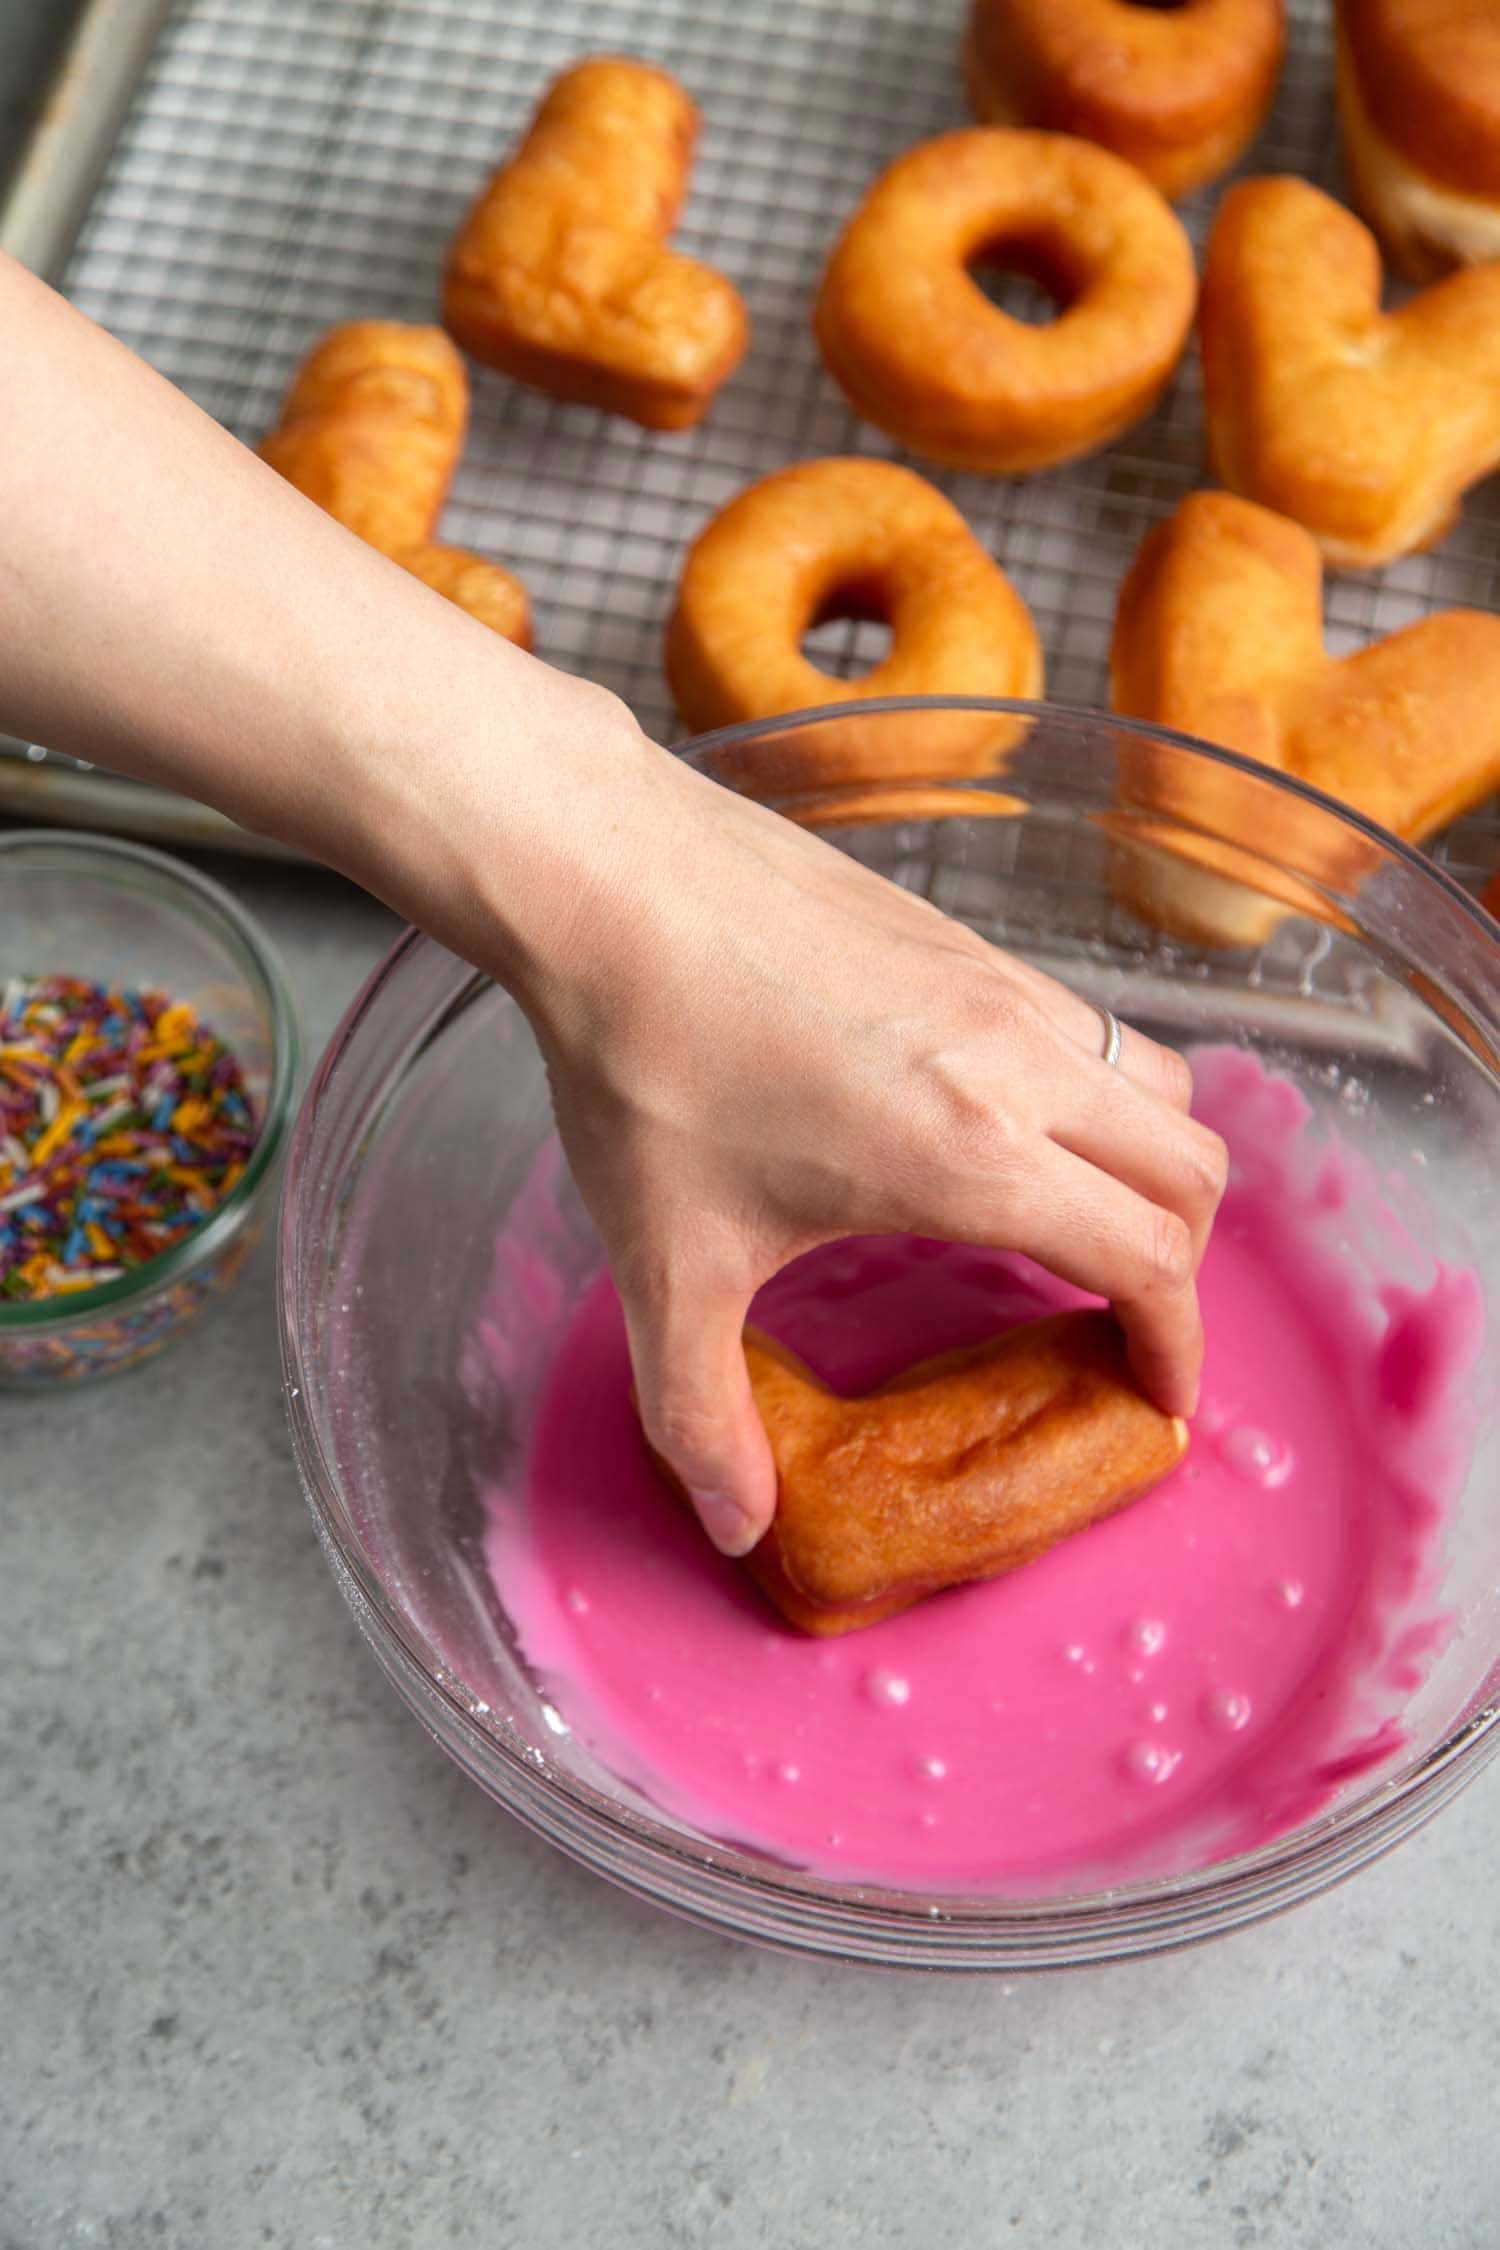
(918, 349)
(850, 538)
(562, 276)
(964, 1467)
(1419, 110)
(371, 430)
(1179, 92)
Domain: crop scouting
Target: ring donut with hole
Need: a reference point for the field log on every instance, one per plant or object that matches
(561, 275)
(917, 347)
(858, 539)
(371, 430)
(1176, 87)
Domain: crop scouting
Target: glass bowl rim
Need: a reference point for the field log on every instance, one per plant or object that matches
(696, 749)
(217, 910)
(1242, 1887)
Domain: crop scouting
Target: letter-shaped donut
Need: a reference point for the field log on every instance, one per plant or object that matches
(372, 429)
(1177, 91)
(850, 538)
(918, 348)
(1219, 633)
(1366, 427)
(561, 276)
(965, 1467)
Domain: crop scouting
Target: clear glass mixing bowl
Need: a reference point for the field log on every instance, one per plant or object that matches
(1372, 981)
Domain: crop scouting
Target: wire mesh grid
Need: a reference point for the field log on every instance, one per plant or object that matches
(292, 163)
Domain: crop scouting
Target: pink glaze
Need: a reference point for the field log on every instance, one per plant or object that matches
(1186, 1680)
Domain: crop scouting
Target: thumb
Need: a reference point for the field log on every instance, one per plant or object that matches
(698, 1412)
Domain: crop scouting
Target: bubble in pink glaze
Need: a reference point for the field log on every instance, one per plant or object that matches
(1366, 1391)
(1158, 1714)
(887, 1689)
(1146, 1636)
(933, 1769)
(1151, 1763)
(1257, 1457)
(1227, 1710)
(577, 1601)
(787, 1771)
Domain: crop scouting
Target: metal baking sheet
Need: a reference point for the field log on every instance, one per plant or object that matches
(290, 163)
(47, 192)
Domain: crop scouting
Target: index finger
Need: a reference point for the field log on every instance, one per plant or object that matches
(1089, 1228)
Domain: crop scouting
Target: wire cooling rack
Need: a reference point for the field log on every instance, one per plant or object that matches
(291, 163)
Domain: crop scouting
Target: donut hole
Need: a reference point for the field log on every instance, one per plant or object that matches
(1028, 278)
(849, 633)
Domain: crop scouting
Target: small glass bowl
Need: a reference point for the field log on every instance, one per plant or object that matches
(87, 906)
(1082, 843)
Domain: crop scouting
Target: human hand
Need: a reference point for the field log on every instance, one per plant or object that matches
(757, 1045)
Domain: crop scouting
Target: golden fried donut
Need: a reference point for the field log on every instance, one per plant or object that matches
(1177, 91)
(561, 275)
(918, 348)
(877, 804)
(970, 1465)
(1365, 426)
(372, 429)
(1219, 633)
(1419, 104)
(850, 538)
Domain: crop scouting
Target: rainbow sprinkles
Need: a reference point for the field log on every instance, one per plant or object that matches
(124, 1123)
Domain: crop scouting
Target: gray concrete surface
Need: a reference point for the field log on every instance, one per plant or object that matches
(273, 1975)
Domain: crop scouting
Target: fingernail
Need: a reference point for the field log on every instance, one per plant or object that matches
(726, 1523)
(1180, 1400)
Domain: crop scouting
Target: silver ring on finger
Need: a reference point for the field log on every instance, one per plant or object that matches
(1113, 1035)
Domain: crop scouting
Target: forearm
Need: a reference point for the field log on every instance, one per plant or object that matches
(755, 1045)
(170, 608)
